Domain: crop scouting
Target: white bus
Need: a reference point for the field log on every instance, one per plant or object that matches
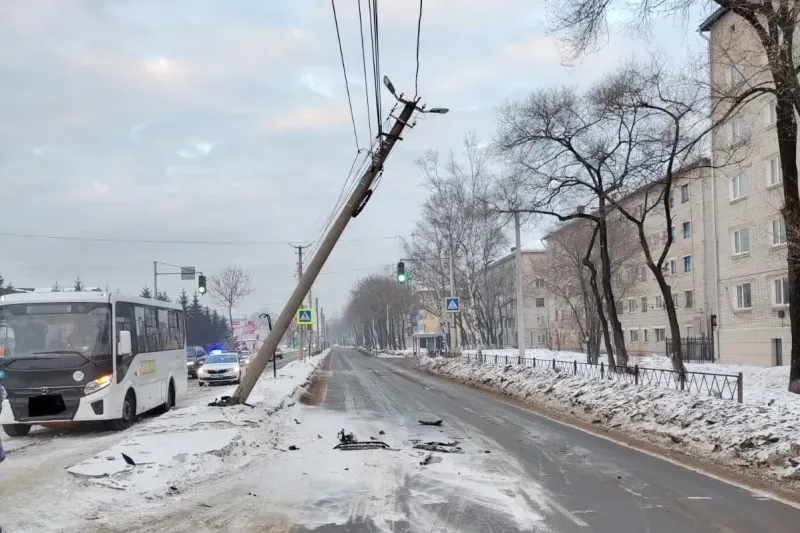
(57, 363)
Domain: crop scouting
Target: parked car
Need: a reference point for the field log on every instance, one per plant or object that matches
(195, 356)
(221, 367)
(279, 352)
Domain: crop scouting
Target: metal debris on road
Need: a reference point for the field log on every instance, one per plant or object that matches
(293, 448)
(347, 441)
(433, 446)
(381, 432)
(431, 422)
(128, 459)
(430, 459)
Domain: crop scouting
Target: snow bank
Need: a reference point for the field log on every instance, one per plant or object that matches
(189, 445)
(763, 438)
(539, 353)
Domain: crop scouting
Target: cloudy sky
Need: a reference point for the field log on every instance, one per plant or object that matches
(128, 121)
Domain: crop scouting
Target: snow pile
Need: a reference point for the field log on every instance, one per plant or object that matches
(539, 353)
(186, 446)
(763, 385)
(763, 438)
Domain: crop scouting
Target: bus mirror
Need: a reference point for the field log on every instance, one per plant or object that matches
(124, 345)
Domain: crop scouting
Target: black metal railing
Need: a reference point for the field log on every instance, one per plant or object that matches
(694, 349)
(725, 386)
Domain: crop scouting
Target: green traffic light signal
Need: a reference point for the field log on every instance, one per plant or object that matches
(401, 273)
(201, 284)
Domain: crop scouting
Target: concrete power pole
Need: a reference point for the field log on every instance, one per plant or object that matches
(301, 333)
(318, 319)
(520, 303)
(351, 208)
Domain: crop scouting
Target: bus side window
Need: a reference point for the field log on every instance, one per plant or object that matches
(125, 321)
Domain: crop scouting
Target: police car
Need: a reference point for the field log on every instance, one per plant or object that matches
(220, 367)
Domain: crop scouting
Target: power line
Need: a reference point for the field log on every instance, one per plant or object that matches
(364, 66)
(372, 7)
(344, 71)
(419, 31)
(167, 241)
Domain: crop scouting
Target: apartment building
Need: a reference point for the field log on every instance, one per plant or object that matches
(752, 282)
(689, 266)
(535, 300)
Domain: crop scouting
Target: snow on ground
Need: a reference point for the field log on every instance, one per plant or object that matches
(172, 452)
(757, 437)
(186, 445)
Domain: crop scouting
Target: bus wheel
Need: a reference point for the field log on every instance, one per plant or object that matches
(17, 430)
(128, 413)
(170, 403)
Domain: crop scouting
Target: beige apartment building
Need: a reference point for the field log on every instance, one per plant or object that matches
(535, 300)
(689, 268)
(752, 284)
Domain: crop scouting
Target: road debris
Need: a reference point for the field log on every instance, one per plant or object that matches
(433, 446)
(381, 432)
(293, 448)
(431, 422)
(347, 441)
(128, 460)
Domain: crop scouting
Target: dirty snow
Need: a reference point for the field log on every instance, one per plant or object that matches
(760, 438)
(172, 453)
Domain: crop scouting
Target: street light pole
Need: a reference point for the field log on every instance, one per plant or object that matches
(453, 330)
(520, 306)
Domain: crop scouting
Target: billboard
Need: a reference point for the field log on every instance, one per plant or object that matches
(251, 327)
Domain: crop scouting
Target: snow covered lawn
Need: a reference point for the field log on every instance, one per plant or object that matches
(187, 445)
(761, 437)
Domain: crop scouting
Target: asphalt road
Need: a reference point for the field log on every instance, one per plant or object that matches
(589, 483)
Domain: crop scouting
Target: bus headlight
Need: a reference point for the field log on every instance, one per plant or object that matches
(96, 385)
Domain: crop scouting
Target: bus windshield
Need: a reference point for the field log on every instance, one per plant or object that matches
(53, 329)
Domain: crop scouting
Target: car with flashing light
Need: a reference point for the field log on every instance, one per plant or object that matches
(195, 356)
(71, 357)
(220, 367)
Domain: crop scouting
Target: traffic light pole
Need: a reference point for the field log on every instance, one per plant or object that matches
(352, 207)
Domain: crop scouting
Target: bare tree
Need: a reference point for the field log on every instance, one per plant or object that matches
(570, 275)
(229, 287)
(582, 24)
(456, 221)
(378, 312)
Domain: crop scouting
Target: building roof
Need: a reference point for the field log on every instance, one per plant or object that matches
(713, 19)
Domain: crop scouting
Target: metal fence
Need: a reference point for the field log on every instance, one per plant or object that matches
(694, 349)
(725, 386)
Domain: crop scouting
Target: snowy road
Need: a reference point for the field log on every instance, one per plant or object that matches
(518, 473)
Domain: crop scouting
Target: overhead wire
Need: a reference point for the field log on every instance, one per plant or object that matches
(419, 31)
(364, 66)
(344, 71)
(372, 7)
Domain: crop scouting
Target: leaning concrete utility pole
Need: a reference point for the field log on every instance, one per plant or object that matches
(354, 205)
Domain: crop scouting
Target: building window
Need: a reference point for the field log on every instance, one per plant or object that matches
(631, 305)
(772, 108)
(687, 230)
(672, 233)
(780, 291)
(657, 239)
(659, 303)
(539, 320)
(619, 308)
(669, 267)
(540, 338)
(538, 282)
(743, 300)
(657, 207)
(687, 263)
(689, 297)
(738, 129)
(645, 335)
(675, 299)
(778, 231)
(775, 171)
(739, 186)
(741, 241)
(539, 302)
(644, 304)
(684, 193)
(735, 78)
(671, 201)
(634, 335)
(661, 334)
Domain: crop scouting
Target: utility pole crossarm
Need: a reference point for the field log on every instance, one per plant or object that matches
(325, 248)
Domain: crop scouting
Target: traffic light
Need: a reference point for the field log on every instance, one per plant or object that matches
(401, 273)
(201, 284)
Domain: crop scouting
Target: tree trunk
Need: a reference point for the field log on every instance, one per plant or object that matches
(598, 299)
(608, 291)
(787, 145)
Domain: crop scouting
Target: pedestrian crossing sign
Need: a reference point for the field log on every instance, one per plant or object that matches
(305, 316)
(452, 304)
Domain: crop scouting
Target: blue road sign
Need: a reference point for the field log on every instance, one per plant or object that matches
(305, 316)
(452, 304)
